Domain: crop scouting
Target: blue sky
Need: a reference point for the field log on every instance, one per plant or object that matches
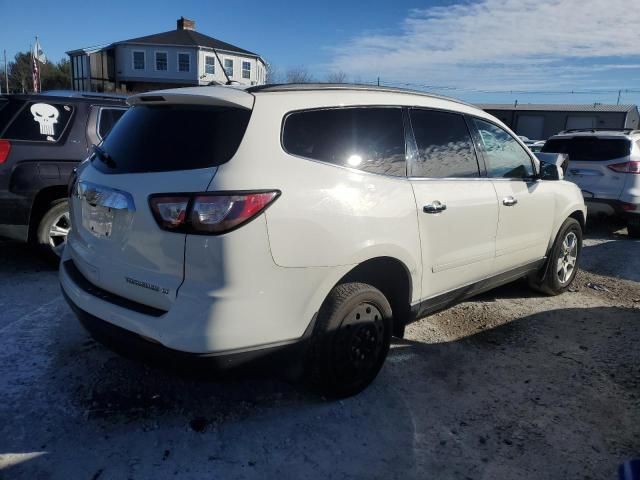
(475, 50)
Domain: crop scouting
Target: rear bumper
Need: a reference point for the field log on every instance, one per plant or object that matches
(14, 216)
(619, 208)
(132, 345)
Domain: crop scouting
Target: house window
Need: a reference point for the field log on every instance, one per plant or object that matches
(210, 65)
(228, 67)
(161, 61)
(138, 60)
(184, 62)
(246, 69)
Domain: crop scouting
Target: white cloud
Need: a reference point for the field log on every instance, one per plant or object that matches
(501, 43)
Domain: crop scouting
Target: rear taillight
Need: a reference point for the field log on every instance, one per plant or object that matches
(626, 167)
(5, 149)
(208, 213)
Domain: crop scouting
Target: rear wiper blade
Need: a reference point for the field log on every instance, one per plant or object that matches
(104, 156)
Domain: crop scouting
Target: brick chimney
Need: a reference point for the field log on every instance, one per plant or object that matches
(185, 24)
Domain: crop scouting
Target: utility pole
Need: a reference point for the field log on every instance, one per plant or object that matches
(378, 81)
(619, 93)
(6, 70)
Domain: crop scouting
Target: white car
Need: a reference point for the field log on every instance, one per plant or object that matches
(316, 219)
(605, 164)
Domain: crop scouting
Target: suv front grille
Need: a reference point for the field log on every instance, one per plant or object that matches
(82, 282)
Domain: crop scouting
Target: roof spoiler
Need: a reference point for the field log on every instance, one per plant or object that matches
(221, 96)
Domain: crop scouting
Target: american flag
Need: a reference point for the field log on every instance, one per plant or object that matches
(37, 56)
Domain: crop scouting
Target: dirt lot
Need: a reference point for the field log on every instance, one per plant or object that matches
(511, 385)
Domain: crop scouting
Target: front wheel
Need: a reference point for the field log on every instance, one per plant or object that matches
(53, 229)
(562, 264)
(351, 339)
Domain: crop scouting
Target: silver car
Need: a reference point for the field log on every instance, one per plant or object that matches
(605, 163)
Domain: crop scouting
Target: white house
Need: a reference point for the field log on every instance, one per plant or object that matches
(177, 58)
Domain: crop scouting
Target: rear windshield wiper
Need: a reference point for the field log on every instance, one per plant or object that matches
(104, 157)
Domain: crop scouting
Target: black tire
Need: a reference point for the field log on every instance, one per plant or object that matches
(351, 340)
(633, 229)
(557, 267)
(51, 245)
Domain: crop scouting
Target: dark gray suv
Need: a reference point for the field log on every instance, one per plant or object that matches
(42, 138)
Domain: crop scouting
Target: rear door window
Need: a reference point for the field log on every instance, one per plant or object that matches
(445, 148)
(589, 149)
(107, 118)
(367, 138)
(40, 122)
(158, 138)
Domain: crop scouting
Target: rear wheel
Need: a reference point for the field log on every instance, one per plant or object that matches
(53, 229)
(633, 228)
(351, 339)
(562, 265)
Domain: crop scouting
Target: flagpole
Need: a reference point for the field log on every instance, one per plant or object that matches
(32, 72)
(37, 60)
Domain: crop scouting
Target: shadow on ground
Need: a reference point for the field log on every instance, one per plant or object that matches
(550, 395)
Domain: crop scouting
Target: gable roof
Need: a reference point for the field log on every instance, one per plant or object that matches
(530, 107)
(189, 38)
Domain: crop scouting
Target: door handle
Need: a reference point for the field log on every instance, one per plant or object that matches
(434, 207)
(509, 201)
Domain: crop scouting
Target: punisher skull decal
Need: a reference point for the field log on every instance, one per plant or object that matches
(46, 115)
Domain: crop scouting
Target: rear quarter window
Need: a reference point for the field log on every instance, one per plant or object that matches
(107, 118)
(40, 122)
(8, 108)
(366, 138)
(589, 149)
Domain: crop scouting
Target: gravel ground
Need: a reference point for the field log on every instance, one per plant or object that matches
(510, 385)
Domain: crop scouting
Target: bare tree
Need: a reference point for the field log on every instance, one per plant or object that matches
(337, 77)
(298, 75)
(273, 74)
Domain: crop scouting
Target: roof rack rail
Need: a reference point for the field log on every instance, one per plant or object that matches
(293, 87)
(82, 94)
(600, 129)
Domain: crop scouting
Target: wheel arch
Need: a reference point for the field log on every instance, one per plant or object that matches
(393, 278)
(41, 203)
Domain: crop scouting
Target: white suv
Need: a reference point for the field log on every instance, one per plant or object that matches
(605, 164)
(232, 224)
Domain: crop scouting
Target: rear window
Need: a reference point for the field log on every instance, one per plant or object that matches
(592, 149)
(159, 138)
(40, 122)
(366, 138)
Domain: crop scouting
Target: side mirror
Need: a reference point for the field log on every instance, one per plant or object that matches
(552, 165)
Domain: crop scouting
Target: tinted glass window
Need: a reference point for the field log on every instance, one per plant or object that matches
(444, 145)
(505, 156)
(108, 118)
(370, 139)
(590, 149)
(40, 122)
(155, 138)
(8, 108)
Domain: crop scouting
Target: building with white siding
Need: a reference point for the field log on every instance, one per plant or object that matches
(177, 58)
